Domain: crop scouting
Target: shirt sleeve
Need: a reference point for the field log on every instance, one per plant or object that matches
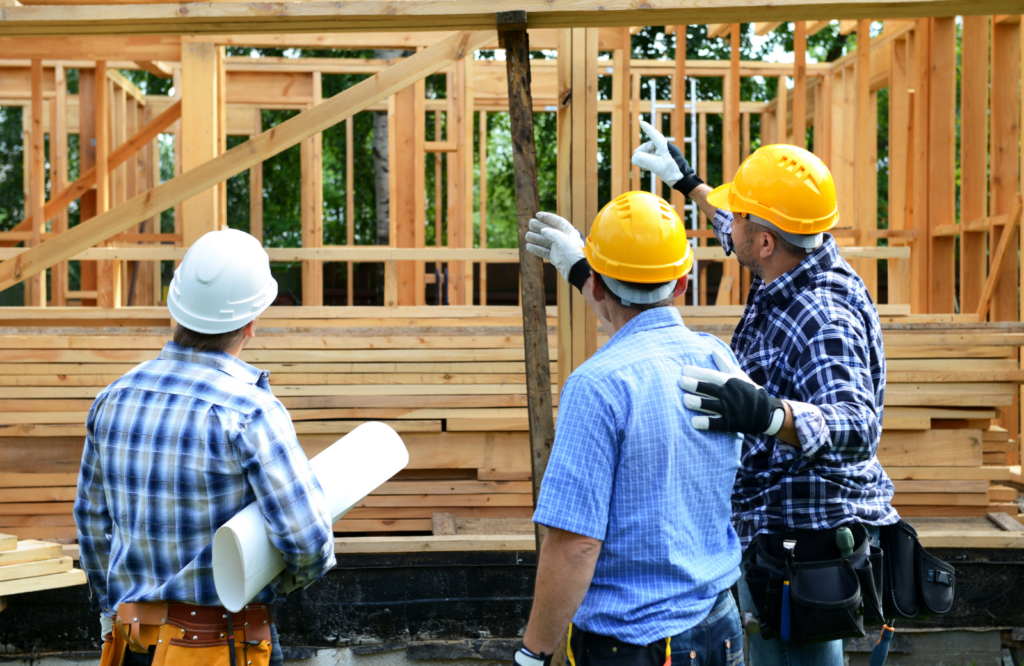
(576, 493)
(92, 519)
(838, 415)
(723, 229)
(289, 496)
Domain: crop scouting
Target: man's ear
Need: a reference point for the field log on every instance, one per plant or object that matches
(250, 328)
(681, 285)
(597, 287)
(767, 244)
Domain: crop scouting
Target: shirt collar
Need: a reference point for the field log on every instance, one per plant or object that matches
(222, 361)
(789, 284)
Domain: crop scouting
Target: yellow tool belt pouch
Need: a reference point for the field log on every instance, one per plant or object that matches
(185, 635)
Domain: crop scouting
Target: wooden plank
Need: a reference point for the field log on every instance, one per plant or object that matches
(65, 579)
(35, 289)
(970, 539)
(933, 448)
(502, 526)
(800, 84)
(8, 542)
(256, 185)
(920, 55)
(497, 474)
(434, 544)
(950, 486)
(1007, 524)
(8, 480)
(242, 157)
(51, 494)
(1007, 239)
(36, 569)
(942, 148)
(30, 551)
(940, 499)
(443, 524)
(199, 106)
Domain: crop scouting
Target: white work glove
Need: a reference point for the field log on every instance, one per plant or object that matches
(106, 625)
(554, 238)
(730, 399)
(666, 161)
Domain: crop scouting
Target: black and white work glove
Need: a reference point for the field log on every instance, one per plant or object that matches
(554, 238)
(731, 401)
(524, 657)
(666, 161)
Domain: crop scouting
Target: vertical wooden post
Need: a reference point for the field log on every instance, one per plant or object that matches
(467, 174)
(59, 176)
(1006, 54)
(920, 261)
(350, 206)
(108, 278)
(531, 268)
(391, 273)
(782, 112)
(311, 155)
(222, 131)
(563, 179)
(199, 113)
(402, 141)
(731, 141)
(847, 184)
(483, 204)
(679, 112)
(452, 209)
(86, 161)
(823, 119)
(744, 136)
(578, 150)
(35, 287)
(800, 84)
(634, 131)
(865, 170)
(630, 127)
(419, 189)
(702, 159)
(973, 154)
(256, 185)
(942, 166)
(591, 163)
(899, 144)
(619, 157)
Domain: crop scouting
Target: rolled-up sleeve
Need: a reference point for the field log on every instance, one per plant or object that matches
(837, 414)
(722, 225)
(577, 489)
(293, 504)
(92, 519)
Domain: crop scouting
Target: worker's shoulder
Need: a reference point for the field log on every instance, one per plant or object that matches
(198, 382)
(667, 348)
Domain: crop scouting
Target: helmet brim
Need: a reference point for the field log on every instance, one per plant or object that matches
(719, 197)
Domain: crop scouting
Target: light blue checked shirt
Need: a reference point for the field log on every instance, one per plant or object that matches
(173, 450)
(628, 469)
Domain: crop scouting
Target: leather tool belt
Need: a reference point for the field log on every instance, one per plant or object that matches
(186, 635)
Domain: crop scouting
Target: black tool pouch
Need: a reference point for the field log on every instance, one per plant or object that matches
(917, 584)
(830, 595)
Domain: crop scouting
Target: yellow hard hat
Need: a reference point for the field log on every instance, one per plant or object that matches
(788, 186)
(638, 237)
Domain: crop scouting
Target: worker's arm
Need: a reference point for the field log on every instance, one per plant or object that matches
(294, 509)
(838, 414)
(564, 571)
(92, 517)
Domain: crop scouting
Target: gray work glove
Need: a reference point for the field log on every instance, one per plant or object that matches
(666, 161)
(554, 238)
(106, 625)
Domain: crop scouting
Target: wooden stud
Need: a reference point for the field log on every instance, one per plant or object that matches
(634, 130)
(619, 160)
(629, 124)
(865, 139)
(401, 144)
(973, 154)
(222, 134)
(256, 185)
(590, 165)
(899, 144)
(199, 113)
(1006, 241)
(745, 136)
(578, 148)
(679, 112)
(702, 160)
(823, 120)
(467, 174)
(35, 289)
(483, 204)
(942, 167)
(311, 157)
(1004, 161)
(782, 112)
(87, 161)
(419, 193)
(350, 206)
(800, 84)
(108, 279)
(563, 198)
(731, 138)
(59, 175)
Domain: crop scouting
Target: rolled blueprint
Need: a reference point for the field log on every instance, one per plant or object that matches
(244, 559)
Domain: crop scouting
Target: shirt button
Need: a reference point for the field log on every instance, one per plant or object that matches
(728, 644)
(693, 654)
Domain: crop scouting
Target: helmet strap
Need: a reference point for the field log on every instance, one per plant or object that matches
(808, 242)
(630, 296)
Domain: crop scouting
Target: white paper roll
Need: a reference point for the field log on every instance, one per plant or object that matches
(244, 559)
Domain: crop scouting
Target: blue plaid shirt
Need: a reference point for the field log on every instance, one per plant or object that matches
(812, 337)
(173, 450)
(628, 469)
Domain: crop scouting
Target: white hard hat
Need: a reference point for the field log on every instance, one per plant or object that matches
(222, 284)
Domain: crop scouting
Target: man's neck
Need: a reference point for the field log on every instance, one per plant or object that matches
(785, 264)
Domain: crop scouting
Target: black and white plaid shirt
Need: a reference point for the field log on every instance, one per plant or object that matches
(812, 337)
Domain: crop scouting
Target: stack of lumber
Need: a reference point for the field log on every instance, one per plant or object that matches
(30, 566)
(452, 381)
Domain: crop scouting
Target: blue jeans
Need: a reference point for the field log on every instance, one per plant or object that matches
(716, 641)
(774, 652)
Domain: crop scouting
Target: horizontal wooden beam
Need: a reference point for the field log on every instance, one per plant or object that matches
(318, 16)
(91, 48)
(762, 29)
(242, 157)
(160, 70)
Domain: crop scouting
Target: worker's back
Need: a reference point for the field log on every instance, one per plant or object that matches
(173, 450)
(655, 491)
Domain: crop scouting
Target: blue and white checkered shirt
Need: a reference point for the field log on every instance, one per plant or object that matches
(628, 469)
(173, 450)
(812, 337)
